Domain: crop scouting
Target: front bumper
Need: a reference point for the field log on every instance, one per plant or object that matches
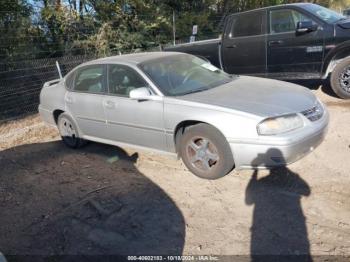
(279, 152)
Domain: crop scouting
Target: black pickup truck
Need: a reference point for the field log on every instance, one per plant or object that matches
(295, 41)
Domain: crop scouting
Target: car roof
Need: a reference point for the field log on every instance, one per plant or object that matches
(135, 58)
(274, 6)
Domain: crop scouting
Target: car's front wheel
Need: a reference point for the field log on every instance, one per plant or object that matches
(205, 152)
(69, 131)
(340, 79)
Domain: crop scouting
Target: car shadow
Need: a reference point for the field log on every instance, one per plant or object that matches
(315, 84)
(91, 201)
(279, 226)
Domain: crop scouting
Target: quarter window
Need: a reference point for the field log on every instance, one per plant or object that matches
(249, 24)
(90, 79)
(122, 79)
(285, 20)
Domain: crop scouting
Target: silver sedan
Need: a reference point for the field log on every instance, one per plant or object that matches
(180, 104)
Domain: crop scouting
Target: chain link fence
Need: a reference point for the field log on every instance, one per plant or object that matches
(22, 81)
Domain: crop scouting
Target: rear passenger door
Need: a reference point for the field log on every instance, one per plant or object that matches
(292, 55)
(244, 45)
(84, 100)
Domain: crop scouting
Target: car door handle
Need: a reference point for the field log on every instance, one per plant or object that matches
(274, 43)
(108, 104)
(231, 46)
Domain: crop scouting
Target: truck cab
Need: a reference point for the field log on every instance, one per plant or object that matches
(294, 41)
(268, 43)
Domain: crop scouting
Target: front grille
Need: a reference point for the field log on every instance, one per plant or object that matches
(314, 113)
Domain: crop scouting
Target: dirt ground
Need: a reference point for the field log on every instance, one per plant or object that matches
(106, 200)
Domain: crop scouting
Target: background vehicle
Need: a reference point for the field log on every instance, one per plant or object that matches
(178, 103)
(295, 41)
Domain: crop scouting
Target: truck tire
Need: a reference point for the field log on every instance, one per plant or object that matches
(205, 152)
(340, 79)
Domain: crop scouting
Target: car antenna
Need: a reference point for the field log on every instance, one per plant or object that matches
(59, 69)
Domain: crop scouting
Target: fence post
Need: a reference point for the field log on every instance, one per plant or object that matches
(174, 27)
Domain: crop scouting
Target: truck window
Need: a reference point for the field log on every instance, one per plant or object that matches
(346, 12)
(248, 24)
(285, 20)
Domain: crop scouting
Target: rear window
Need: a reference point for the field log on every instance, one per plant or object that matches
(90, 79)
(248, 24)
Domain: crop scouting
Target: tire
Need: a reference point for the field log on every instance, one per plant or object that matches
(340, 79)
(205, 152)
(69, 131)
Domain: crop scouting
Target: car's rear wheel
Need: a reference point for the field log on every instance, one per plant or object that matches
(69, 131)
(340, 79)
(205, 152)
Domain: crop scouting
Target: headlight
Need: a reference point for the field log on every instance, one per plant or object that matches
(281, 124)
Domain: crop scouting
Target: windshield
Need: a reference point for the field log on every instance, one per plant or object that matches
(183, 74)
(325, 14)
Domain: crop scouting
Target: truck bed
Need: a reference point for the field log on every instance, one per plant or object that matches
(207, 49)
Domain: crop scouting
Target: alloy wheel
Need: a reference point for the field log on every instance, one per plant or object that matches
(202, 154)
(344, 79)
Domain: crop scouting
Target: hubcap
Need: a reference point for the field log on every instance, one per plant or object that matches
(344, 79)
(67, 130)
(202, 153)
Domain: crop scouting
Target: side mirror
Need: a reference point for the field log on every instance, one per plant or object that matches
(143, 93)
(306, 27)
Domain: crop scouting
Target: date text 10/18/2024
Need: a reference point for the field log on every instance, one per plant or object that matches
(173, 258)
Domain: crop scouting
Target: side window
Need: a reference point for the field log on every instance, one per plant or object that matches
(122, 79)
(228, 26)
(285, 20)
(90, 79)
(248, 24)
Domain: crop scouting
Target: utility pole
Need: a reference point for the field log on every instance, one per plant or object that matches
(174, 28)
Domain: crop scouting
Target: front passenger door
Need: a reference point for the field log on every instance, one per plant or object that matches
(131, 121)
(292, 55)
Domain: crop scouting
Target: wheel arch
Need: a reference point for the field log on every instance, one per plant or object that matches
(181, 126)
(334, 57)
(56, 113)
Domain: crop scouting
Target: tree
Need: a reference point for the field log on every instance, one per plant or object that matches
(15, 25)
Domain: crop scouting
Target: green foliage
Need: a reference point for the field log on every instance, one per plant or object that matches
(42, 28)
(15, 27)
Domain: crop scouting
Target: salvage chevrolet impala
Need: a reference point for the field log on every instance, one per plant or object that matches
(181, 104)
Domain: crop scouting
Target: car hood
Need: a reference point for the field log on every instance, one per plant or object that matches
(258, 96)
